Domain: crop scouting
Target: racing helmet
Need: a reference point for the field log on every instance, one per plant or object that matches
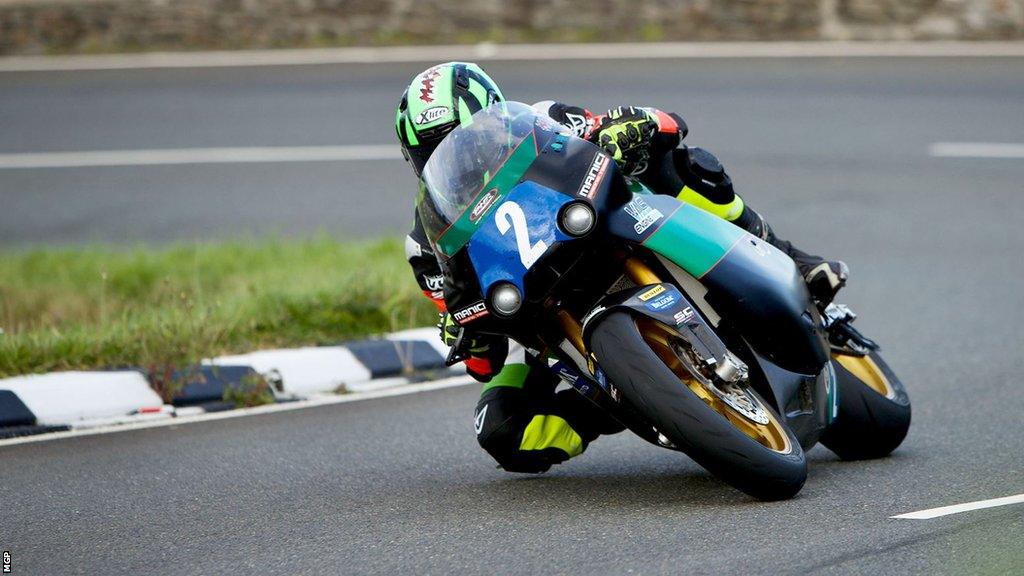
(437, 101)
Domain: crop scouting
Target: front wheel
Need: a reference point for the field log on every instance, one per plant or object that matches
(874, 409)
(743, 443)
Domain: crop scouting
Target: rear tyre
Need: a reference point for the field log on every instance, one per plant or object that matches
(874, 409)
(765, 461)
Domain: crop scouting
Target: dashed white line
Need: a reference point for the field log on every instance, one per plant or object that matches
(958, 508)
(976, 150)
(322, 400)
(200, 156)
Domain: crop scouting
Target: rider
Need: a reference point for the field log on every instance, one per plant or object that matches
(520, 420)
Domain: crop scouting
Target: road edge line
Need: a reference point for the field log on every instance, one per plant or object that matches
(312, 402)
(57, 401)
(517, 52)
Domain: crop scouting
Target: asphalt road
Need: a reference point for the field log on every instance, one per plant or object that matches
(796, 135)
(833, 151)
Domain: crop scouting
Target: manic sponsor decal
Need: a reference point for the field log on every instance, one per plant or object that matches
(651, 293)
(431, 114)
(483, 205)
(594, 176)
(427, 89)
(470, 313)
(642, 212)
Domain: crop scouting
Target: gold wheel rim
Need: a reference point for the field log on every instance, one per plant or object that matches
(864, 369)
(771, 435)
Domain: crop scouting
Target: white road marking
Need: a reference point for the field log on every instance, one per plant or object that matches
(510, 52)
(976, 150)
(200, 156)
(958, 508)
(322, 400)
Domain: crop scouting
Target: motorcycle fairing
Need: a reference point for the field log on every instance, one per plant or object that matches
(761, 291)
(808, 402)
(501, 182)
(499, 256)
(694, 239)
(750, 282)
(666, 304)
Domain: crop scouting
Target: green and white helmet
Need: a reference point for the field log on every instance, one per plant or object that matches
(436, 101)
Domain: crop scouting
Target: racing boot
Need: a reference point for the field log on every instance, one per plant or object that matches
(824, 278)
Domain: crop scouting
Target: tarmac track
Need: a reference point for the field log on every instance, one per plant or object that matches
(833, 151)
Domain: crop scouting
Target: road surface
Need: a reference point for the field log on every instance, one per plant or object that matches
(835, 152)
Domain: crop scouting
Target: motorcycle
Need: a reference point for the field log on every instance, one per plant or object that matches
(695, 335)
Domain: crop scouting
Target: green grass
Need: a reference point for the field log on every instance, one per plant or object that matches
(164, 308)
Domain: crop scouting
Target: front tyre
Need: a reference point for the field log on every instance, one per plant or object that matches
(874, 409)
(763, 460)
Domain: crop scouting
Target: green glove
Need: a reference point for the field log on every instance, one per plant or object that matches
(625, 134)
(450, 334)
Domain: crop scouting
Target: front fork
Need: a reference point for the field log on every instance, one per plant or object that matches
(638, 272)
(590, 382)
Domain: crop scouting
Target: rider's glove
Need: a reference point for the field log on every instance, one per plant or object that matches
(625, 134)
(475, 346)
(486, 352)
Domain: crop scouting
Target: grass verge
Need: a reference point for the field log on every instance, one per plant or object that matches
(164, 308)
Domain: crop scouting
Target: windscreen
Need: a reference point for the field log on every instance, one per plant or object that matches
(469, 157)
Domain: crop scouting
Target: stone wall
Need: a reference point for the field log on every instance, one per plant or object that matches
(62, 26)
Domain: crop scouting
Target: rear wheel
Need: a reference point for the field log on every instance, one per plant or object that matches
(874, 409)
(729, 430)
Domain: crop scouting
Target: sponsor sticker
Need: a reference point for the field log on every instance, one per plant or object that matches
(434, 282)
(579, 124)
(684, 316)
(483, 205)
(568, 376)
(431, 114)
(478, 422)
(470, 313)
(662, 302)
(651, 293)
(642, 212)
(594, 176)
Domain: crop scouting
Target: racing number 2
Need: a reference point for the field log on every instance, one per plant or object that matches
(510, 215)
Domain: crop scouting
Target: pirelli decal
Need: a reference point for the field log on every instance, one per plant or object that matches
(594, 176)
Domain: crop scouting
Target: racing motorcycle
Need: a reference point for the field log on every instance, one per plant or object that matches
(692, 333)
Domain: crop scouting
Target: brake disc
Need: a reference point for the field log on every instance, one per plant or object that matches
(734, 395)
(740, 400)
